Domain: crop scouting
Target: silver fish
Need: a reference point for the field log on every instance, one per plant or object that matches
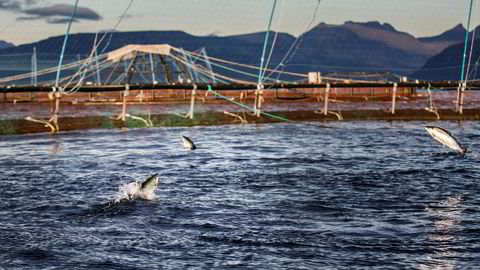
(188, 143)
(446, 139)
(149, 185)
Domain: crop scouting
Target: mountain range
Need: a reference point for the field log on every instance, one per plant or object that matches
(349, 47)
(4, 44)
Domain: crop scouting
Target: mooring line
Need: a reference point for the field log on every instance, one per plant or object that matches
(247, 107)
(262, 112)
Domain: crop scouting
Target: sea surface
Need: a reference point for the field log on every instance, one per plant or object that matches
(340, 195)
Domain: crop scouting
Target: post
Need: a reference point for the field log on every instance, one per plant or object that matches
(462, 94)
(57, 108)
(394, 95)
(257, 109)
(34, 71)
(192, 102)
(457, 104)
(325, 107)
(124, 104)
(34, 67)
(56, 96)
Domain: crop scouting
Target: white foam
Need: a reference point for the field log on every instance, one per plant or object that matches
(131, 191)
(147, 195)
(128, 191)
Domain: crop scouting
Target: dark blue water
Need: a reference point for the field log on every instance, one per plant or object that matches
(280, 196)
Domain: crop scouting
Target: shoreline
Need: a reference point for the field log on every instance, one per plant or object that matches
(22, 126)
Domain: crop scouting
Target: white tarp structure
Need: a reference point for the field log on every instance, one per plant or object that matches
(129, 51)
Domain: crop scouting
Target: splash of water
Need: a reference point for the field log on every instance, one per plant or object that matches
(132, 191)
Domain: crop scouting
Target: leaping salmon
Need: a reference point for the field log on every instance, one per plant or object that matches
(446, 139)
(149, 185)
(188, 143)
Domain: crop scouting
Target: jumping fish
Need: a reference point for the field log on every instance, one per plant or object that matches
(149, 185)
(188, 143)
(446, 139)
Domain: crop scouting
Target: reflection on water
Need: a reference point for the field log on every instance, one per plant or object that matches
(446, 216)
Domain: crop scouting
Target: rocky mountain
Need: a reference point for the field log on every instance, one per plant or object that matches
(447, 65)
(349, 47)
(456, 34)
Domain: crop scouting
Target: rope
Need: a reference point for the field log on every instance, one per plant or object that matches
(274, 38)
(221, 66)
(97, 44)
(247, 107)
(471, 49)
(466, 39)
(216, 74)
(65, 42)
(266, 41)
(296, 42)
(89, 59)
(115, 26)
(76, 63)
(248, 66)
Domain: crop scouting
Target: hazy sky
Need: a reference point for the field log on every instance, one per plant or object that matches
(25, 21)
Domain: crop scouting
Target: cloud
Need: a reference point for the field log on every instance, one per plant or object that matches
(59, 13)
(60, 20)
(15, 5)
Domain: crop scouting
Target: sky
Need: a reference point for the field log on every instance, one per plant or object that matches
(26, 21)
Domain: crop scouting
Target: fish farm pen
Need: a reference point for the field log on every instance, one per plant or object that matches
(47, 109)
(161, 85)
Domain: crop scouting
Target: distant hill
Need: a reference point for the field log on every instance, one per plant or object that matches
(243, 48)
(447, 64)
(359, 47)
(349, 47)
(5, 44)
(456, 34)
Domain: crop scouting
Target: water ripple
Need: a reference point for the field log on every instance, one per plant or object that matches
(355, 195)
